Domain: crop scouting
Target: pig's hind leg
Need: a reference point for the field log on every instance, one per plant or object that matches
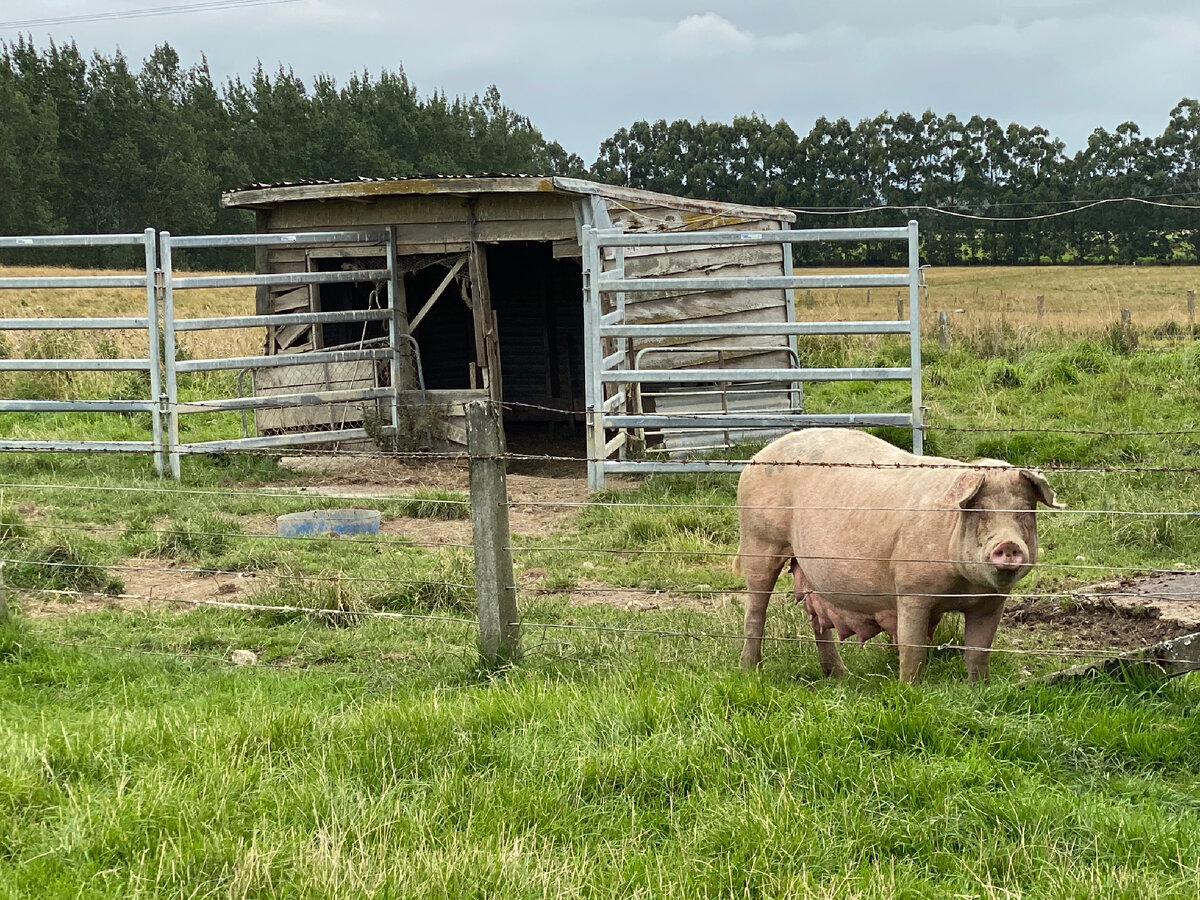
(762, 571)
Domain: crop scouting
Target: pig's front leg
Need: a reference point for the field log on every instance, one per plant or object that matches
(979, 630)
(912, 634)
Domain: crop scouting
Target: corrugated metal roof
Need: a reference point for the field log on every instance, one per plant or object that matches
(369, 187)
(366, 179)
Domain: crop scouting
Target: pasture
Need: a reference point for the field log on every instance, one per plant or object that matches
(625, 755)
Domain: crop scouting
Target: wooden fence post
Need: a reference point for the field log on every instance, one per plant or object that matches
(1191, 297)
(1041, 307)
(899, 306)
(943, 330)
(495, 589)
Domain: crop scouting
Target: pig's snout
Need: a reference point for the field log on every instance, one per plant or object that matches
(1008, 556)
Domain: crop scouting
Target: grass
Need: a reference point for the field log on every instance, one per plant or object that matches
(388, 769)
(367, 757)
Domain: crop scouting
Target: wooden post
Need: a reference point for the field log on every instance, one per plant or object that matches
(495, 589)
(899, 306)
(943, 330)
(1191, 297)
(1041, 306)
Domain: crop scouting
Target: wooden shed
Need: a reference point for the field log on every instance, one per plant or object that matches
(491, 289)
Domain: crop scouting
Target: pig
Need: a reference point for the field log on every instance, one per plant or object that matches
(888, 543)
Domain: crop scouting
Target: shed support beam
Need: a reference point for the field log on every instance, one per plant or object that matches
(454, 270)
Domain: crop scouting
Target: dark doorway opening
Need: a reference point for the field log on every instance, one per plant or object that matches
(538, 302)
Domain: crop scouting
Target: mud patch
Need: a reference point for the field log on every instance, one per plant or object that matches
(1087, 622)
(1170, 596)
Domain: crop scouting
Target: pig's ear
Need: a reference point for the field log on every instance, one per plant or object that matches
(1045, 493)
(962, 491)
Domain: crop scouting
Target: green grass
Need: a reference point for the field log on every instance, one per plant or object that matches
(374, 758)
(385, 767)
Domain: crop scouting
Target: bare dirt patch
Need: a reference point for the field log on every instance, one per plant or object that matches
(150, 585)
(595, 593)
(543, 502)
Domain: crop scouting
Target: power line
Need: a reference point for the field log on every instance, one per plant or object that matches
(918, 207)
(207, 6)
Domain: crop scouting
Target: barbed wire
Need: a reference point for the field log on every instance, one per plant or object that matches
(1097, 652)
(730, 554)
(727, 554)
(918, 207)
(801, 595)
(229, 492)
(576, 505)
(235, 573)
(373, 541)
(716, 464)
(582, 504)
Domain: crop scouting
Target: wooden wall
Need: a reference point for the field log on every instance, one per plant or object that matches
(709, 307)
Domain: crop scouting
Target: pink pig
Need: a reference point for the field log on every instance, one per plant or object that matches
(889, 543)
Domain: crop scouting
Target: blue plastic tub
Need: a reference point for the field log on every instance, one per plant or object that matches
(323, 522)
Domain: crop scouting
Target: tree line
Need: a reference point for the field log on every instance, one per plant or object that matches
(89, 144)
(888, 169)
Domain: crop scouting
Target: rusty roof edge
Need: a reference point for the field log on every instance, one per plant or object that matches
(369, 188)
(639, 195)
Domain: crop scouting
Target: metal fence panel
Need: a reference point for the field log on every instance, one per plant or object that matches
(148, 324)
(341, 370)
(618, 377)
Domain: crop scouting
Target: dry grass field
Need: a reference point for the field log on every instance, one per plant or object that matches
(82, 302)
(1077, 299)
(982, 303)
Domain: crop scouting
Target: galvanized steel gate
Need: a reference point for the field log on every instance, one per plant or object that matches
(162, 327)
(615, 372)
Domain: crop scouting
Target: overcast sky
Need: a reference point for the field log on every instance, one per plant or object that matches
(581, 69)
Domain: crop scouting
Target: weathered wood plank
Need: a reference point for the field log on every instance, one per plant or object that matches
(706, 352)
(1166, 659)
(290, 300)
(636, 195)
(380, 189)
(661, 262)
(532, 230)
(699, 306)
(715, 269)
(523, 207)
(314, 377)
(567, 248)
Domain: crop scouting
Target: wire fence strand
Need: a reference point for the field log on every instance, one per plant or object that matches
(320, 612)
